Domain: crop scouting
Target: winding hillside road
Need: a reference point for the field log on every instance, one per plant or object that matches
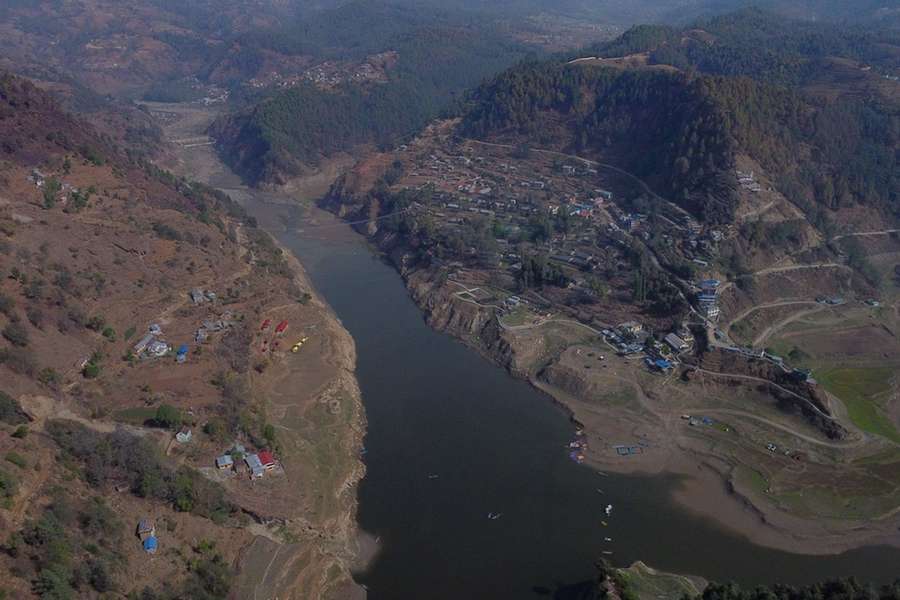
(748, 415)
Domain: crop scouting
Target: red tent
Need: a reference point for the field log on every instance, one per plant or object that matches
(265, 324)
(281, 327)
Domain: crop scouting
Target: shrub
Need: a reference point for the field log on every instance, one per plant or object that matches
(16, 459)
(8, 489)
(16, 333)
(49, 377)
(96, 323)
(11, 411)
(35, 289)
(7, 304)
(21, 432)
(35, 316)
(109, 333)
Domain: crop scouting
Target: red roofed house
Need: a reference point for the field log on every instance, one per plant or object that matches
(281, 327)
(267, 459)
(265, 324)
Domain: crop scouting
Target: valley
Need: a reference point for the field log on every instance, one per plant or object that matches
(241, 242)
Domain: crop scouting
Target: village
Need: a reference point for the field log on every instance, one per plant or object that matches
(328, 74)
(586, 220)
(564, 252)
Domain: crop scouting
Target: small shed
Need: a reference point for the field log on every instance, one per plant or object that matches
(181, 354)
(151, 544)
(184, 436)
(145, 529)
(224, 462)
(281, 327)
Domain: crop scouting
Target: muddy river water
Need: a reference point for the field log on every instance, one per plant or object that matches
(452, 438)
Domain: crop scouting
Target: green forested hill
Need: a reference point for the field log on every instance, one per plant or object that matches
(801, 105)
(302, 124)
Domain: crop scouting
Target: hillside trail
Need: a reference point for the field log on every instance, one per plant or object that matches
(776, 425)
(43, 408)
(750, 310)
(774, 328)
(838, 417)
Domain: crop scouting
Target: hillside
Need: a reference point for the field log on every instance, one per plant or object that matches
(283, 134)
(650, 241)
(110, 266)
(678, 107)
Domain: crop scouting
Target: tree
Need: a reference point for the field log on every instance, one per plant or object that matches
(168, 416)
(52, 186)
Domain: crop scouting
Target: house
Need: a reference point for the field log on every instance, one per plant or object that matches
(151, 544)
(184, 436)
(143, 343)
(267, 459)
(201, 336)
(157, 348)
(197, 296)
(255, 465)
(145, 529)
(181, 355)
(155, 329)
(224, 462)
(677, 344)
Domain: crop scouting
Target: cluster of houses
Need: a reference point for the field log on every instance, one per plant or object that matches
(39, 179)
(632, 338)
(151, 345)
(255, 464)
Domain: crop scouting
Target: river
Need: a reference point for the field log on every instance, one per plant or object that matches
(452, 438)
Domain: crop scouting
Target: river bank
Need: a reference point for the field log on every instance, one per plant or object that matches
(451, 438)
(708, 485)
(312, 398)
